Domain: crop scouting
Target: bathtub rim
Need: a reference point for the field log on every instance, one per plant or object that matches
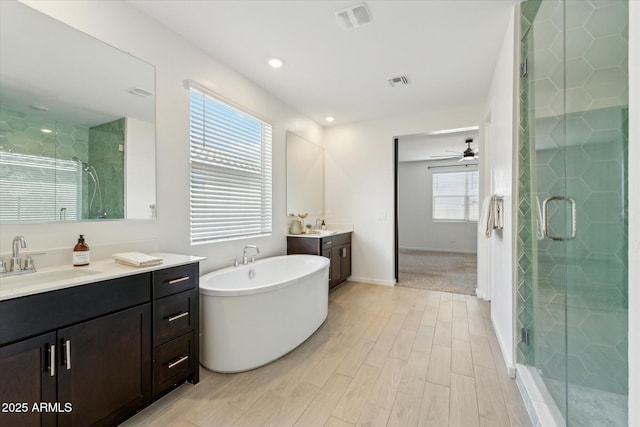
(206, 290)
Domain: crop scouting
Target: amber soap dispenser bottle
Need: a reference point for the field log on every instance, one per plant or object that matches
(81, 253)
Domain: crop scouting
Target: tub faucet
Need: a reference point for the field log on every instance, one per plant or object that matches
(244, 253)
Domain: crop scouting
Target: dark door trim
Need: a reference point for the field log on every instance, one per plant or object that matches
(395, 210)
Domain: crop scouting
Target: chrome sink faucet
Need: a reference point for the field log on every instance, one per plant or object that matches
(18, 242)
(15, 266)
(244, 254)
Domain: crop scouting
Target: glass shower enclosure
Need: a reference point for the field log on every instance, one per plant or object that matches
(572, 209)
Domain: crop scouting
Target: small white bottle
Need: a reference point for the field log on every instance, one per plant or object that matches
(81, 253)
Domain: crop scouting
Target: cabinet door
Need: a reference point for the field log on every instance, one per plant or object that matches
(105, 370)
(345, 264)
(335, 267)
(26, 379)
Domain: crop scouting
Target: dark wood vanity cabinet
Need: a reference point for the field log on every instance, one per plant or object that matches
(336, 247)
(104, 370)
(340, 264)
(95, 354)
(90, 360)
(175, 327)
(25, 378)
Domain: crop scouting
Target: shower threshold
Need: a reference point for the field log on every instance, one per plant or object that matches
(589, 406)
(540, 405)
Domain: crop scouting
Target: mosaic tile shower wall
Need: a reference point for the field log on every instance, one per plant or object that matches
(105, 141)
(23, 133)
(99, 146)
(573, 140)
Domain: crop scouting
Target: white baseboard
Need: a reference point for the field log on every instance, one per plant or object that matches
(508, 361)
(372, 281)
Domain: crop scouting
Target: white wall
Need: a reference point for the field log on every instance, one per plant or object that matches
(417, 229)
(634, 213)
(359, 180)
(175, 60)
(500, 108)
(140, 173)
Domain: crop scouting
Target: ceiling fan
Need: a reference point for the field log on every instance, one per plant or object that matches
(467, 155)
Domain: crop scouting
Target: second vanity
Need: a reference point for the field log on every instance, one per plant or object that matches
(96, 348)
(335, 246)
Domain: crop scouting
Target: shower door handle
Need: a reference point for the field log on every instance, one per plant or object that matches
(545, 218)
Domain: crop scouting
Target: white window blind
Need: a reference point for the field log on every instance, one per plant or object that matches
(231, 172)
(455, 196)
(37, 188)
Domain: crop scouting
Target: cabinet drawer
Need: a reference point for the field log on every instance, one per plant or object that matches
(35, 314)
(174, 315)
(173, 362)
(173, 280)
(335, 240)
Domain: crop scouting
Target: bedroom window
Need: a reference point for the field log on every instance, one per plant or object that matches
(455, 196)
(230, 174)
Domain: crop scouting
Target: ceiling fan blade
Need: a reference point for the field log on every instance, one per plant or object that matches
(443, 157)
(457, 152)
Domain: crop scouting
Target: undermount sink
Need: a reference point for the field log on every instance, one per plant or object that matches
(39, 278)
(322, 232)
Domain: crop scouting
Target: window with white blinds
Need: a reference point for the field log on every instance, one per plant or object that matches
(455, 196)
(231, 177)
(38, 188)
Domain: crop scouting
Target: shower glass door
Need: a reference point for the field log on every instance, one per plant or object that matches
(573, 205)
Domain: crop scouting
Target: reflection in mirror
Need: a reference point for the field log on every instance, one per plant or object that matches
(77, 124)
(305, 176)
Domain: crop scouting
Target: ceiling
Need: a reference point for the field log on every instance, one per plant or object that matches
(425, 146)
(446, 48)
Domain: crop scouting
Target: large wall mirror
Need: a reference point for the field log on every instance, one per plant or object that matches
(77, 124)
(305, 176)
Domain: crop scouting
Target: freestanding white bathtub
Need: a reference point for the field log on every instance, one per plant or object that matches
(253, 314)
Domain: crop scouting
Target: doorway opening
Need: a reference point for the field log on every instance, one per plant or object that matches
(437, 210)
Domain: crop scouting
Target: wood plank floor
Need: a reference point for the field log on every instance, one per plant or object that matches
(385, 356)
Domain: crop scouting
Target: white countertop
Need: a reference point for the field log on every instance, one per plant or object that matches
(319, 236)
(48, 279)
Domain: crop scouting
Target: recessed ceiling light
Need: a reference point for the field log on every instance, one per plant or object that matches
(329, 119)
(39, 107)
(275, 62)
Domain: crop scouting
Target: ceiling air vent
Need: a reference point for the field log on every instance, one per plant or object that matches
(143, 93)
(398, 81)
(354, 16)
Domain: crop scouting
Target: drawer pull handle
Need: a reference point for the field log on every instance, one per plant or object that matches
(52, 359)
(328, 243)
(67, 347)
(177, 316)
(179, 361)
(181, 279)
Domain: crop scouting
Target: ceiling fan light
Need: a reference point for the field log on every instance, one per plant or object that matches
(275, 62)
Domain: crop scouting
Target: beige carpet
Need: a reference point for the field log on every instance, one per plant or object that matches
(438, 271)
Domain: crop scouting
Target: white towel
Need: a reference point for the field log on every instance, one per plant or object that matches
(483, 224)
(136, 259)
(492, 215)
